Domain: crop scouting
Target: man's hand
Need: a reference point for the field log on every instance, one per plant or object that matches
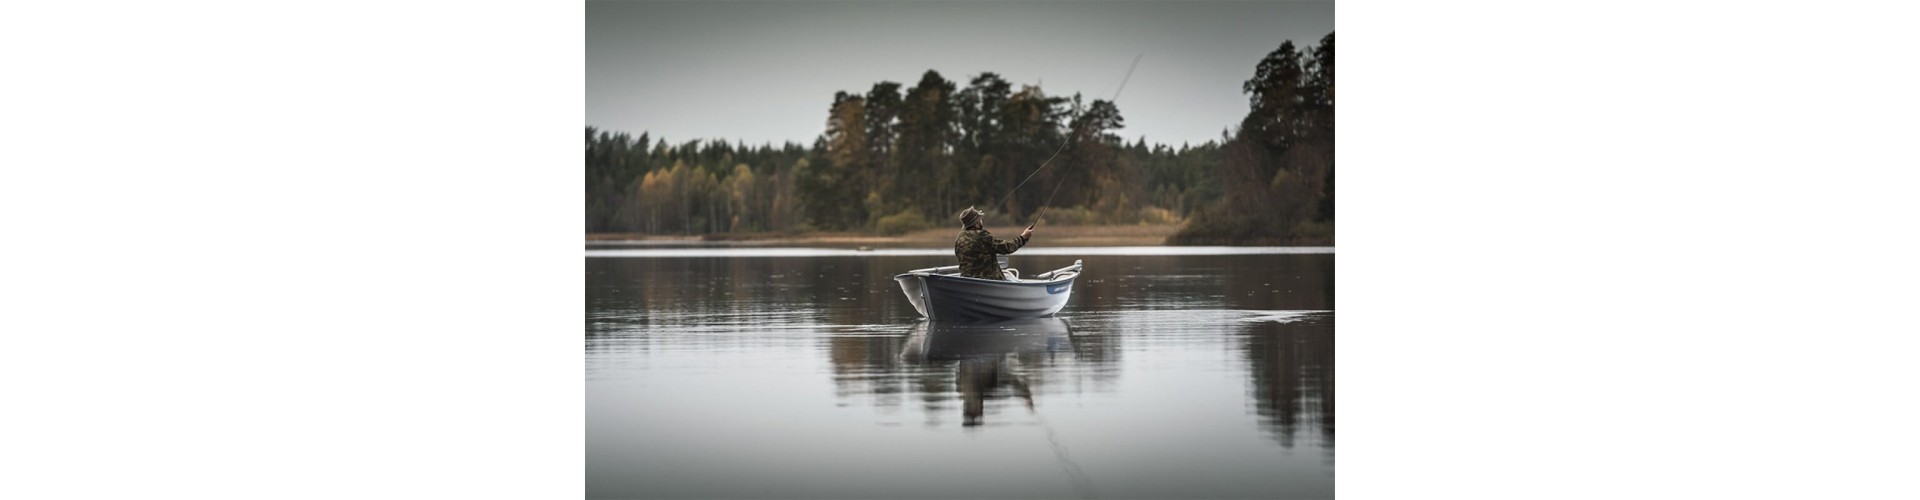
(1027, 233)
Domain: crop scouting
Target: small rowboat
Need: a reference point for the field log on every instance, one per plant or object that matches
(941, 293)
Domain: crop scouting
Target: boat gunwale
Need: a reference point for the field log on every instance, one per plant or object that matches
(929, 273)
(1052, 281)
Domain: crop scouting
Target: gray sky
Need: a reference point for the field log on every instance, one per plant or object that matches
(767, 71)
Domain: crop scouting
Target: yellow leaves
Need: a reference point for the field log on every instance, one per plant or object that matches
(1280, 178)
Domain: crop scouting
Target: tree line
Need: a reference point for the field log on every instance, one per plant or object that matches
(896, 159)
(1278, 166)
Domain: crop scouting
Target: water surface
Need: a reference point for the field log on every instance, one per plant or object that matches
(806, 373)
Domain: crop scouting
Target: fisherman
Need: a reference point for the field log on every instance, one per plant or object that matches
(978, 250)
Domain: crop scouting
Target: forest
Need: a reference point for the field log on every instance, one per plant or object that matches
(894, 160)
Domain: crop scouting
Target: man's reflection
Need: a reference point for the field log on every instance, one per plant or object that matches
(990, 359)
(979, 377)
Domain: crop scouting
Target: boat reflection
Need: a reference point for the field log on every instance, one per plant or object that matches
(992, 361)
(942, 341)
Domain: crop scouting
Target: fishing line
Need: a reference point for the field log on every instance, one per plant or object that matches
(1082, 484)
(1063, 147)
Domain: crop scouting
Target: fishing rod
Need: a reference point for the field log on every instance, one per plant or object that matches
(1063, 147)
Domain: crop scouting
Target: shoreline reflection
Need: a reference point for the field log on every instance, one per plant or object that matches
(1290, 369)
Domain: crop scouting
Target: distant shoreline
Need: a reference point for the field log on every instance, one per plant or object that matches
(1076, 236)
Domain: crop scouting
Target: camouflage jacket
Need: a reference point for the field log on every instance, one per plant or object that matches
(977, 250)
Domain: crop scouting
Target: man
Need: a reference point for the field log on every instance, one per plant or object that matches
(978, 250)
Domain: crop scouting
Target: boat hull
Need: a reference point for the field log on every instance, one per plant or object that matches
(951, 297)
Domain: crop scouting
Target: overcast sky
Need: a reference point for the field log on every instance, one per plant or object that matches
(767, 71)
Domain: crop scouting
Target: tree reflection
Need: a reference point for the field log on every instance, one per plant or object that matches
(1292, 369)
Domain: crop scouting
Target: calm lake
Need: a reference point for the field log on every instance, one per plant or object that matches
(805, 373)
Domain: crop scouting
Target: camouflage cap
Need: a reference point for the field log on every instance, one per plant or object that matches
(970, 217)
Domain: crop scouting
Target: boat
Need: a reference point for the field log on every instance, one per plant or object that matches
(942, 294)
